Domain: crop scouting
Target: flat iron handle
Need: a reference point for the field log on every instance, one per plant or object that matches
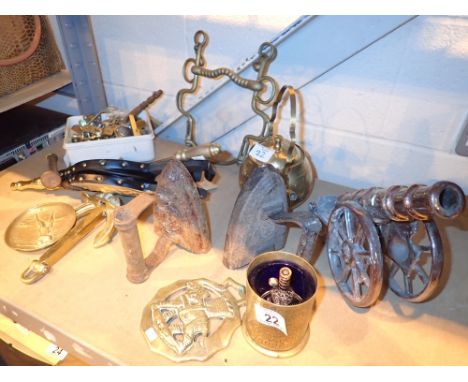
(159, 253)
(306, 246)
(311, 226)
(125, 220)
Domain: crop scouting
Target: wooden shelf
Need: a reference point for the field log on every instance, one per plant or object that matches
(35, 90)
(94, 312)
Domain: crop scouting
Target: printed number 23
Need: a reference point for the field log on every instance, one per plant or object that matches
(271, 319)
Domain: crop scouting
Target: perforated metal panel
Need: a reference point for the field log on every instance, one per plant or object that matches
(82, 56)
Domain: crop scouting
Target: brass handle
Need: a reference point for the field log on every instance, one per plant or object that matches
(33, 184)
(207, 151)
(292, 101)
(293, 119)
(39, 268)
(36, 271)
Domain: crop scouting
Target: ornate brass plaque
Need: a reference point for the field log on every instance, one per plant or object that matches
(40, 226)
(190, 320)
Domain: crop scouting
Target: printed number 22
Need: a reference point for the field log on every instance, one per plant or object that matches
(271, 319)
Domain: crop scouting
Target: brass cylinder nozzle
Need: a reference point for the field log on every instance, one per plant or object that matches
(207, 151)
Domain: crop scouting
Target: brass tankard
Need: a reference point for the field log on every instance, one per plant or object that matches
(280, 299)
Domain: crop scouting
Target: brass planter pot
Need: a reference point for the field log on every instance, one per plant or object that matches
(272, 329)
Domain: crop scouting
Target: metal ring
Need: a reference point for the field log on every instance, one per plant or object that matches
(268, 50)
(408, 202)
(389, 204)
(274, 87)
(187, 69)
(200, 38)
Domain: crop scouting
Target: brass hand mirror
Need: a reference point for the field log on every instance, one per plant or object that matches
(41, 226)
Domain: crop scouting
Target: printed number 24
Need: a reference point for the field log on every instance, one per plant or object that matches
(271, 319)
(57, 351)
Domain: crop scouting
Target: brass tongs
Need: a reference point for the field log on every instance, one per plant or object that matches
(103, 210)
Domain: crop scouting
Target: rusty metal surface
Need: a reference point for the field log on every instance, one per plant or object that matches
(179, 218)
(251, 231)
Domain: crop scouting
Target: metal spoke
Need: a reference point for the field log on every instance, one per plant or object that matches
(349, 225)
(362, 252)
(360, 236)
(362, 265)
(342, 231)
(408, 283)
(337, 260)
(423, 248)
(344, 274)
(422, 274)
(356, 284)
(366, 280)
(394, 269)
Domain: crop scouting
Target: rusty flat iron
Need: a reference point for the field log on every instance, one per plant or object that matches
(250, 230)
(260, 218)
(179, 218)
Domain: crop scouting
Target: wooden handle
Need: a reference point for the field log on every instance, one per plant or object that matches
(51, 178)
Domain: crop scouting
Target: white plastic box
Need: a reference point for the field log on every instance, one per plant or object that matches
(138, 148)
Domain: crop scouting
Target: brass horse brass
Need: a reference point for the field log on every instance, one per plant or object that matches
(177, 323)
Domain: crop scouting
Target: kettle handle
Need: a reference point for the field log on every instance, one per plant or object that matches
(293, 118)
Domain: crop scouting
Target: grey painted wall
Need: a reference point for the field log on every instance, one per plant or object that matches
(383, 98)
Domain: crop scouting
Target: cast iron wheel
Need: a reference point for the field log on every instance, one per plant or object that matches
(414, 259)
(355, 254)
